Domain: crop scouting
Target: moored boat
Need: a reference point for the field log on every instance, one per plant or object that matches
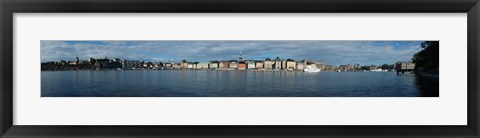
(378, 70)
(311, 68)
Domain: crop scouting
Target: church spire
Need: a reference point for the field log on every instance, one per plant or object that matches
(240, 57)
(77, 60)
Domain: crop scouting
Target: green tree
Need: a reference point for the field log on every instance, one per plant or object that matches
(365, 67)
(427, 60)
(387, 66)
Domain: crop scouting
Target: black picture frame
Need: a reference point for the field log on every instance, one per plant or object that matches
(9, 7)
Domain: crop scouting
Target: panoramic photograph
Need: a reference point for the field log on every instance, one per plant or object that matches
(239, 68)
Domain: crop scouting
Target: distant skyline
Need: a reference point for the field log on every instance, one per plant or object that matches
(330, 52)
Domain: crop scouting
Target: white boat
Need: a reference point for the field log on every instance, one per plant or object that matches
(379, 70)
(311, 68)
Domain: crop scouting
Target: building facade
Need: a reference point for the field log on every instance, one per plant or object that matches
(250, 65)
(259, 64)
(202, 65)
(233, 65)
(291, 64)
(224, 64)
(242, 65)
(213, 65)
(268, 63)
(277, 63)
(300, 66)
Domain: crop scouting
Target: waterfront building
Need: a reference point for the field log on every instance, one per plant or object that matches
(107, 64)
(91, 61)
(75, 62)
(202, 65)
(309, 64)
(192, 65)
(268, 63)
(320, 65)
(350, 67)
(177, 65)
(184, 64)
(291, 64)
(157, 65)
(242, 65)
(150, 65)
(304, 63)
(124, 64)
(160, 64)
(113, 65)
(251, 64)
(154, 65)
(259, 64)
(329, 68)
(224, 64)
(168, 65)
(405, 66)
(278, 63)
(72, 63)
(233, 65)
(213, 65)
(300, 66)
(138, 64)
(356, 66)
(128, 64)
(342, 67)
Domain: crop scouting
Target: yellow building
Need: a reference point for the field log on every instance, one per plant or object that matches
(259, 65)
(184, 64)
(291, 65)
(268, 63)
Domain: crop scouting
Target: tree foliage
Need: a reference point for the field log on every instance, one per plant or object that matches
(387, 66)
(427, 59)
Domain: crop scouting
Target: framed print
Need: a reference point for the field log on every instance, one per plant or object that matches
(211, 71)
(239, 68)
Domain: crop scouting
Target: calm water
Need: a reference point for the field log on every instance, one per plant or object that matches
(174, 83)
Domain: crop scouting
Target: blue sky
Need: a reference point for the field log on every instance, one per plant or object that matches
(330, 52)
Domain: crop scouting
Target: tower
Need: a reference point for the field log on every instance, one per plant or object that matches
(77, 60)
(240, 58)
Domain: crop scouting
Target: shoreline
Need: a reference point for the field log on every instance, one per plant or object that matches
(244, 70)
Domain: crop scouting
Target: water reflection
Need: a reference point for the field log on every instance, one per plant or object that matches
(173, 83)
